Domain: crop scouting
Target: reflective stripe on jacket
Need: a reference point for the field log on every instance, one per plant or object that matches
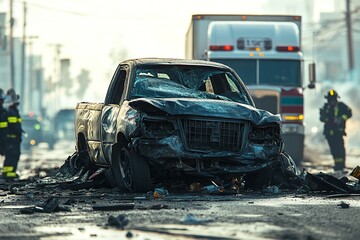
(14, 124)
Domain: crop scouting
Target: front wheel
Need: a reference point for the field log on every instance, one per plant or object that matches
(131, 171)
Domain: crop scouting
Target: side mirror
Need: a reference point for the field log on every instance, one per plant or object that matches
(312, 76)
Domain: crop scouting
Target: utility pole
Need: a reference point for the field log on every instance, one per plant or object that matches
(31, 74)
(11, 47)
(349, 36)
(23, 56)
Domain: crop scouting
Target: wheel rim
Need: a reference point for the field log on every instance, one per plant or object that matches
(125, 169)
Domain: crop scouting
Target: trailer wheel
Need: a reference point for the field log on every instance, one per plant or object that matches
(131, 171)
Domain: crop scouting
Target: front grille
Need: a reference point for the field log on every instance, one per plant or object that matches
(205, 135)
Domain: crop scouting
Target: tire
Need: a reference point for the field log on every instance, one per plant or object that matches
(131, 171)
(110, 178)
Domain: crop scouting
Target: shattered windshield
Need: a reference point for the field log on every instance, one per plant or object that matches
(169, 81)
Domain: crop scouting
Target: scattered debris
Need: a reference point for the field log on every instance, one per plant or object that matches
(48, 206)
(78, 174)
(30, 195)
(195, 187)
(114, 207)
(213, 189)
(356, 172)
(343, 204)
(119, 222)
(160, 193)
(326, 182)
(70, 201)
(192, 220)
(129, 234)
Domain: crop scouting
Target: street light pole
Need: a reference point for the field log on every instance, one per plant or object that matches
(23, 56)
(349, 36)
(11, 47)
(31, 73)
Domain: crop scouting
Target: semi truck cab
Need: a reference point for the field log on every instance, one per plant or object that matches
(267, 57)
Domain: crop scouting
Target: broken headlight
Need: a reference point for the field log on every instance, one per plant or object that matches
(264, 134)
(157, 128)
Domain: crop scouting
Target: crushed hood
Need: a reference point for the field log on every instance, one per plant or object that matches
(204, 107)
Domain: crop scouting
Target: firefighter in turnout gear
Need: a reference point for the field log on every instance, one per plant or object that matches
(3, 123)
(12, 152)
(334, 114)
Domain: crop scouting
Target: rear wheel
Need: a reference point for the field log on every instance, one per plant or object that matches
(131, 171)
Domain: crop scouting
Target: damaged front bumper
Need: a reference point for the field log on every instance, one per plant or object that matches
(171, 153)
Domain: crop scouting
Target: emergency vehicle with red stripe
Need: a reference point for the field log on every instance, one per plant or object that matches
(265, 51)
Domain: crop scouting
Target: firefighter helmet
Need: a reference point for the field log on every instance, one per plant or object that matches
(14, 98)
(332, 94)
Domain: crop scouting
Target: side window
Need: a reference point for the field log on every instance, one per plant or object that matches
(218, 84)
(232, 85)
(117, 88)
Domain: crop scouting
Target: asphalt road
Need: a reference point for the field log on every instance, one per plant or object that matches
(246, 215)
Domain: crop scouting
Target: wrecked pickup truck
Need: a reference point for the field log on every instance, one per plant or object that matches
(175, 117)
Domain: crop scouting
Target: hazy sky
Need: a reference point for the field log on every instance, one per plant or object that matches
(90, 31)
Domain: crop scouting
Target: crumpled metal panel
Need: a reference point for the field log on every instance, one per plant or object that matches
(87, 119)
(206, 107)
(108, 131)
(109, 122)
(172, 146)
(128, 121)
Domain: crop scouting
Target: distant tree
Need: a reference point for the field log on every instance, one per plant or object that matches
(65, 80)
(84, 81)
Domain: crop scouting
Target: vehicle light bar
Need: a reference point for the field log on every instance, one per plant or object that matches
(287, 48)
(299, 117)
(221, 47)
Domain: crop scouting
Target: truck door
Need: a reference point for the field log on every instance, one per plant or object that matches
(111, 109)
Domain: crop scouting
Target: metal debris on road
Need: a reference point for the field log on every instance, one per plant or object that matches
(192, 220)
(356, 172)
(114, 207)
(48, 206)
(119, 222)
(343, 205)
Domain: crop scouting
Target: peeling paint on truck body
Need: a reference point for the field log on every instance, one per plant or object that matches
(188, 115)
